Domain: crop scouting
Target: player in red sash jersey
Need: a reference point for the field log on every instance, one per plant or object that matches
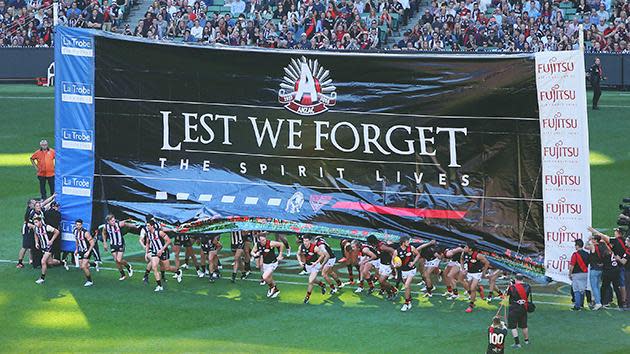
(312, 258)
(368, 261)
(265, 249)
(385, 254)
(476, 265)
(409, 256)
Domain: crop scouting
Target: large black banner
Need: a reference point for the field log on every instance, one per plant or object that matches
(342, 144)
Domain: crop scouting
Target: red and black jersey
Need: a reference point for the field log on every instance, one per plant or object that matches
(369, 247)
(473, 264)
(406, 255)
(310, 256)
(267, 252)
(428, 253)
(320, 241)
(384, 256)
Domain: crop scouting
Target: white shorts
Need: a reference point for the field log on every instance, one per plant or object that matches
(432, 264)
(454, 264)
(408, 273)
(313, 268)
(269, 267)
(376, 263)
(331, 262)
(471, 276)
(384, 270)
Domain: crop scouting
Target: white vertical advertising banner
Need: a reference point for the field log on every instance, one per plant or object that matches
(561, 86)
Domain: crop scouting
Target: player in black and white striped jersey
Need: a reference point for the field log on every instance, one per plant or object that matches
(84, 249)
(44, 244)
(113, 234)
(156, 243)
(237, 243)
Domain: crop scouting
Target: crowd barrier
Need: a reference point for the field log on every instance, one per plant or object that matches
(27, 64)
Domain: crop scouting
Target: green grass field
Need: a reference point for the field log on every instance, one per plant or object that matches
(196, 317)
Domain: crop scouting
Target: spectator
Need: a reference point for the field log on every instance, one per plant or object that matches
(614, 266)
(43, 160)
(578, 273)
(595, 75)
(596, 259)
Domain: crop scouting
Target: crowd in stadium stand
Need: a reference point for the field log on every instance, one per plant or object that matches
(466, 25)
(526, 26)
(29, 23)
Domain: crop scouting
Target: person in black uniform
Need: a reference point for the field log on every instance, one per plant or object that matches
(496, 336)
(185, 241)
(44, 244)
(84, 248)
(596, 75)
(520, 293)
(28, 240)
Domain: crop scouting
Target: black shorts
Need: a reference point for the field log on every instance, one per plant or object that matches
(82, 255)
(183, 241)
(47, 249)
(28, 237)
(208, 246)
(517, 317)
(248, 237)
(117, 248)
(164, 257)
(238, 246)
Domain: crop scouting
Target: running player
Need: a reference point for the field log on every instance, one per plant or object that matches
(431, 258)
(350, 259)
(210, 246)
(368, 260)
(84, 249)
(496, 336)
(385, 254)
(476, 265)
(183, 240)
(312, 258)
(409, 256)
(44, 245)
(452, 273)
(237, 244)
(264, 248)
(157, 246)
(493, 275)
(113, 234)
(328, 272)
(248, 236)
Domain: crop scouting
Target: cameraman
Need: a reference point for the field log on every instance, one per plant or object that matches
(519, 293)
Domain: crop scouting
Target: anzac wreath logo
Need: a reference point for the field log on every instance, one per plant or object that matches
(306, 88)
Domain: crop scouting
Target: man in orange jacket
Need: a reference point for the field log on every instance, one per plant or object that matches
(44, 162)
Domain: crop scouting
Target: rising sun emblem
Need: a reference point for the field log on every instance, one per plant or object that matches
(306, 88)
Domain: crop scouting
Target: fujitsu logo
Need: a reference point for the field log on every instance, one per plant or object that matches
(556, 94)
(560, 179)
(559, 122)
(562, 235)
(561, 207)
(559, 265)
(306, 88)
(555, 66)
(559, 150)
